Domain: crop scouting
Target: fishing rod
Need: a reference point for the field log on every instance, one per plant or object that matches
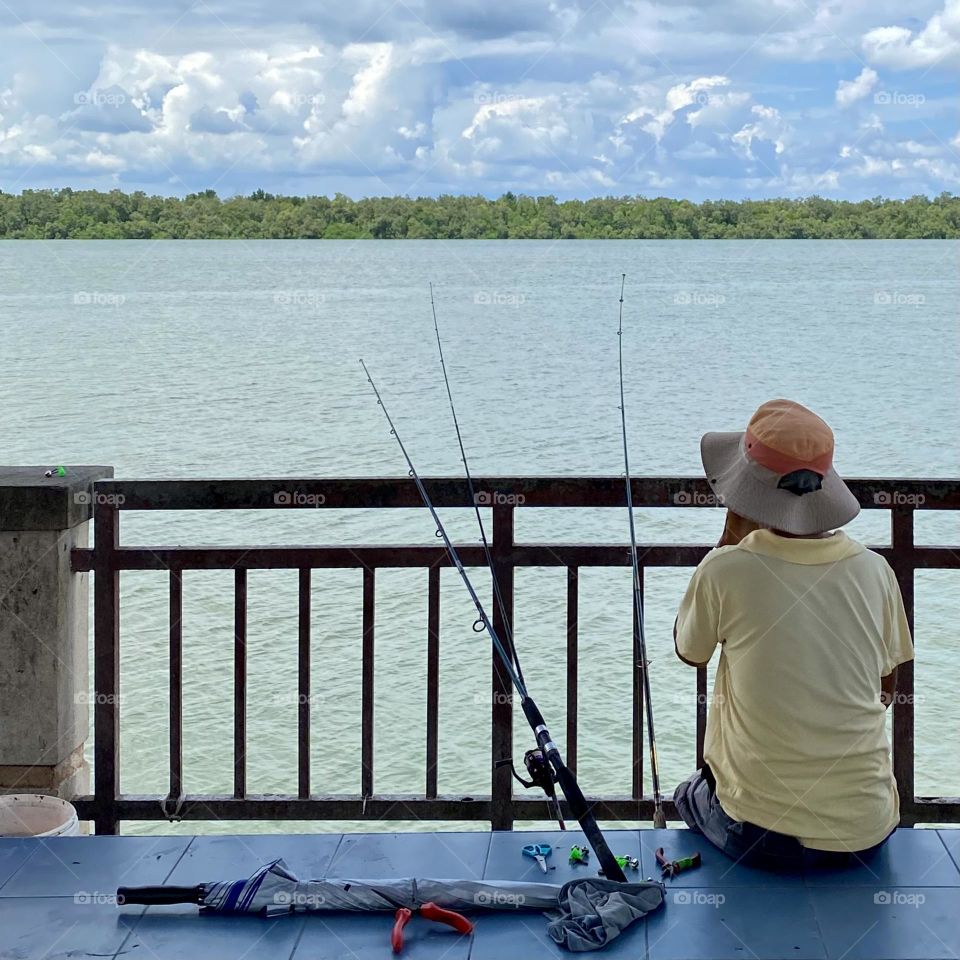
(498, 596)
(564, 776)
(538, 768)
(640, 640)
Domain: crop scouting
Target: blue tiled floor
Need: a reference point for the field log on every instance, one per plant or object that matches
(733, 922)
(55, 900)
(75, 866)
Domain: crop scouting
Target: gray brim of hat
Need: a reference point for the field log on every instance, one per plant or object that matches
(750, 490)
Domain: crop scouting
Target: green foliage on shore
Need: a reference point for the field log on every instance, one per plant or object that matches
(91, 214)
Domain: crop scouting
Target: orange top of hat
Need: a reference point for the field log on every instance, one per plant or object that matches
(784, 436)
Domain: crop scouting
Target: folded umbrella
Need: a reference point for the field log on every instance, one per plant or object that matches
(273, 890)
(587, 913)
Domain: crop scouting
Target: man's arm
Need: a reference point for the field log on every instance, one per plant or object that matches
(888, 688)
(698, 611)
(680, 656)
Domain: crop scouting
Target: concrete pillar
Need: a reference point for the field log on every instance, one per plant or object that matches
(44, 670)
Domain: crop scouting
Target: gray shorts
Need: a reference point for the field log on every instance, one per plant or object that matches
(696, 801)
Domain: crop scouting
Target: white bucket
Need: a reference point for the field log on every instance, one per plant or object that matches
(34, 815)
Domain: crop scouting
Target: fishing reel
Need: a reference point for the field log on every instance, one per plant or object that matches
(541, 775)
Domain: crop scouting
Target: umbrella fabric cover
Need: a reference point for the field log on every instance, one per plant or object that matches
(273, 890)
(586, 914)
(594, 911)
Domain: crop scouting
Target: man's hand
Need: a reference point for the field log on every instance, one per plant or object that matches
(888, 688)
(735, 529)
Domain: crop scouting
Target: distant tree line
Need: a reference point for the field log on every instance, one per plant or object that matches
(91, 214)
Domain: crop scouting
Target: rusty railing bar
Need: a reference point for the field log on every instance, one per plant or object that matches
(573, 663)
(367, 686)
(303, 697)
(501, 713)
(477, 808)
(433, 679)
(240, 683)
(106, 667)
(377, 557)
(901, 519)
(379, 492)
(637, 673)
(176, 684)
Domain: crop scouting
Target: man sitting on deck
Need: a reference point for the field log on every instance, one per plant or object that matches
(811, 629)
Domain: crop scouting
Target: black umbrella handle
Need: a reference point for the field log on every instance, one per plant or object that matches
(159, 895)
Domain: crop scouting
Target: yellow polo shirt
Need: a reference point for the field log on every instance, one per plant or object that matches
(795, 735)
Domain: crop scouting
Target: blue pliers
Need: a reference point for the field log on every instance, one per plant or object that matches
(538, 852)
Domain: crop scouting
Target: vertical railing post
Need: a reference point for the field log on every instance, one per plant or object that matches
(573, 663)
(176, 686)
(433, 679)
(240, 683)
(303, 682)
(367, 685)
(106, 665)
(501, 735)
(638, 704)
(903, 712)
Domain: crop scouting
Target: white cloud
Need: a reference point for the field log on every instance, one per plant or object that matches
(369, 81)
(937, 43)
(39, 153)
(918, 149)
(553, 131)
(416, 132)
(769, 126)
(850, 91)
(677, 98)
(288, 98)
(104, 161)
(906, 161)
(697, 151)
(811, 181)
(719, 109)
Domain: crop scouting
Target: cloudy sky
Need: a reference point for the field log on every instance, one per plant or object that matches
(694, 98)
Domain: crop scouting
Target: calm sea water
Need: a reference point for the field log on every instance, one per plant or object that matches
(233, 358)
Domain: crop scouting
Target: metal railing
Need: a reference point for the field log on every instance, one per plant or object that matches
(107, 806)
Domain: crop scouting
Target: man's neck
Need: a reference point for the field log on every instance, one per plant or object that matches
(802, 536)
